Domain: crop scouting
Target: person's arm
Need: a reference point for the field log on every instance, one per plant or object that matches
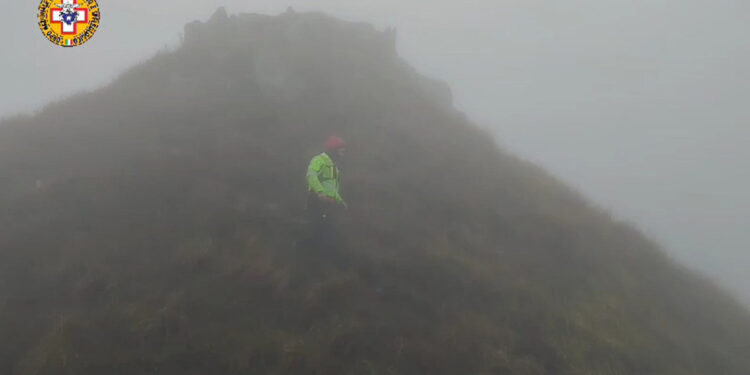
(339, 199)
(312, 176)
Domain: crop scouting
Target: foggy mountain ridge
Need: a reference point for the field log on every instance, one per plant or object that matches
(149, 228)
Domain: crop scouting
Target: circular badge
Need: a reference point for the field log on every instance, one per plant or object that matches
(69, 23)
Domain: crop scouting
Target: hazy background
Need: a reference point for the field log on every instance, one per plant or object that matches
(642, 105)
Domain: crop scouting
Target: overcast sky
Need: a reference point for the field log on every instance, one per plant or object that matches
(644, 105)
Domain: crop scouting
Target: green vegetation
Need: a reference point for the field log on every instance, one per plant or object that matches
(149, 227)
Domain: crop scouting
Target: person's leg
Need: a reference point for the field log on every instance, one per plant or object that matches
(332, 245)
(323, 240)
(318, 222)
(326, 231)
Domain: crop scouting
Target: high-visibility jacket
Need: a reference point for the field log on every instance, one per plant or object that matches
(323, 177)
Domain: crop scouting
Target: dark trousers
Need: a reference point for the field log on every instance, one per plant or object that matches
(322, 215)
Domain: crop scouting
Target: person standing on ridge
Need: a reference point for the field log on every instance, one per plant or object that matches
(324, 199)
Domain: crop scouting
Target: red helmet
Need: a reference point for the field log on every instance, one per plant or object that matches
(334, 143)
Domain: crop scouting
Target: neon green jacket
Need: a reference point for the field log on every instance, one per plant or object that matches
(323, 177)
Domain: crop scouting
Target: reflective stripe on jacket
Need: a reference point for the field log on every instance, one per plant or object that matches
(323, 177)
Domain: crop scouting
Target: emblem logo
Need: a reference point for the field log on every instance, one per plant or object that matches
(69, 23)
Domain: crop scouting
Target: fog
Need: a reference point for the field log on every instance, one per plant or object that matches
(641, 105)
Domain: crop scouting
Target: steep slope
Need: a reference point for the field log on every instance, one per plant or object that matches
(151, 227)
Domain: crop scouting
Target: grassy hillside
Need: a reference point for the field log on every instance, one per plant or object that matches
(151, 227)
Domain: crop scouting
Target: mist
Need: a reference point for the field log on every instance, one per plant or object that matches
(521, 187)
(640, 105)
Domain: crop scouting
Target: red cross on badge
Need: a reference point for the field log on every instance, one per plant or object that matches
(69, 15)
